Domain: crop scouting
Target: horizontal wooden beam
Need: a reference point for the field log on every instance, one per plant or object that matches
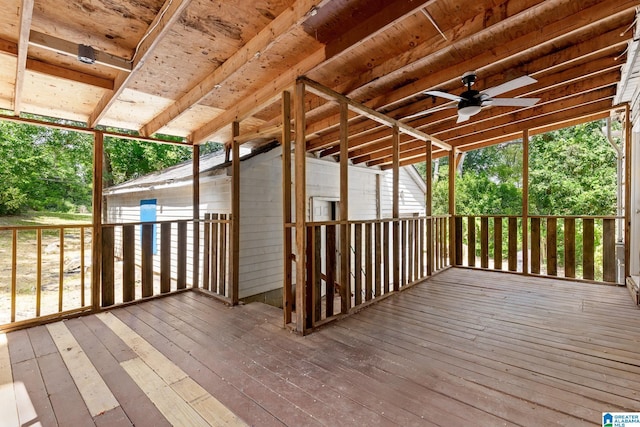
(266, 38)
(65, 47)
(370, 113)
(159, 28)
(81, 129)
(416, 157)
(568, 117)
(11, 48)
(495, 49)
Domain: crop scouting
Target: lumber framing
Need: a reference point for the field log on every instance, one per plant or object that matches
(171, 11)
(26, 15)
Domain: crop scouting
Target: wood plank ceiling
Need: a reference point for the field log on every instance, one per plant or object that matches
(191, 67)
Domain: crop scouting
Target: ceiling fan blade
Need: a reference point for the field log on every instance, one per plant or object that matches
(462, 118)
(429, 111)
(509, 86)
(443, 95)
(512, 102)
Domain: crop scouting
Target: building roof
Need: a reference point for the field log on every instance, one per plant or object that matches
(182, 173)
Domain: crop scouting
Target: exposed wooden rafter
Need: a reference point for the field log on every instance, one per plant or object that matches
(263, 40)
(170, 13)
(26, 15)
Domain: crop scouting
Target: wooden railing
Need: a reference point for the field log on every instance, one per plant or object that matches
(141, 260)
(582, 247)
(215, 270)
(373, 273)
(44, 272)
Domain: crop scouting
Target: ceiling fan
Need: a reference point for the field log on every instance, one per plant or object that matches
(471, 101)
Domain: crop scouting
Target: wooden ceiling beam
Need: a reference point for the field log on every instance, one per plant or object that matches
(65, 47)
(371, 114)
(159, 28)
(247, 106)
(262, 41)
(541, 39)
(419, 156)
(492, 117)
(26, 15)
(10, 48)
(548, 38)
(571, 80)
(589, 56)
(544, 115)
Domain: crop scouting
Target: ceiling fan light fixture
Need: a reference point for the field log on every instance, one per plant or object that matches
(469, 110)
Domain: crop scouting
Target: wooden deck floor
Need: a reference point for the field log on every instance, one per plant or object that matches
(465, 348)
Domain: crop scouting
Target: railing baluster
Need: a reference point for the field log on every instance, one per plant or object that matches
(535, 245)
(128, 263)
(609, 250)
(570, 247)
(222, 254)
(82, 267)
(513, 243)
(165, 257)
(588, 263)
(471, 241)
(458, 223)
(206, 261)
(378, 260)
(552, 250)
(108, 297)
(497, 243)
(215, 244)
(147, 260)
(330, 248)
(61, 270)
(14, 272)
(182, 255)
(386, 243)
(316, 267)
(357, 269)
(368, 262)
(484, 242)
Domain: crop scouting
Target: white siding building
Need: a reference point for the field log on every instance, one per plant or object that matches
(261, 224)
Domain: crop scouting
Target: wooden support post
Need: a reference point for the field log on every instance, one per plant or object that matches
(195, 277)
(96, 243)
(396, 208)
(287, 295)
(235, 216)
(345, 230)
(525, 201)
(627, 193)
(429, 207)
(452, 205)
(301, 207)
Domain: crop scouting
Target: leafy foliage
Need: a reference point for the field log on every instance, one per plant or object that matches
(45, 169)
(572, 171)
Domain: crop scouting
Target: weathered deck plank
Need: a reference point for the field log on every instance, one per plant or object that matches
(466, 347)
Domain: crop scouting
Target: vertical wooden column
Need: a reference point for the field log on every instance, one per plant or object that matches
(287, 295)
(627, 193)
(196, 216)
(525, 201)
(96, 243)
(396, 208)
(429, 207)
(235, 216)
(452, 205)
(345, 231)
(301, 207)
